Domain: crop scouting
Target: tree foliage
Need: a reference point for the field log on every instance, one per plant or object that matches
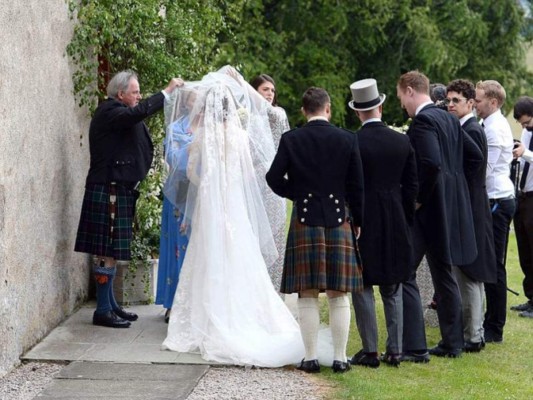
(332, 43)
(159, 39)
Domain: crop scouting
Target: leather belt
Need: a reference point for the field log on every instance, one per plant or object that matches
(494, 203)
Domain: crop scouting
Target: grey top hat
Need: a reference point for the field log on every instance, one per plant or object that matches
(365, 95)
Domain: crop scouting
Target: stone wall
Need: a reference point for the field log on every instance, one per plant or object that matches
(43, 163)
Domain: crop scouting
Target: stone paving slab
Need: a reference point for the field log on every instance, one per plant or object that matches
(77, 339)
(89, 380)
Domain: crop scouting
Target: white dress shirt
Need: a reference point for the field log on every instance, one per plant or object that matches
(466, 118)
(500, 155)
(527, 156)
(369, 120)
(318, 118)
(421, 106)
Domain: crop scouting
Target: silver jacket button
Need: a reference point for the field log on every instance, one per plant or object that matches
(302, 220)
(340, 220)
(305, 201)
(338, 210)
(305, 209)
(330, 196)
(336, 201)
(310, 195)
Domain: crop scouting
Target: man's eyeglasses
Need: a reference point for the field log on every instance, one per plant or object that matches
(454, 100)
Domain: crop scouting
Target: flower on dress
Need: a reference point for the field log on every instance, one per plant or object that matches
(243, 116)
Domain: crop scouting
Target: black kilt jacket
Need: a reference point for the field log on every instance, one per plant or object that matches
(120, 144)
(318, 166)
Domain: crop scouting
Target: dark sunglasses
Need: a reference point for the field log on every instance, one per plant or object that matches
(454, 100)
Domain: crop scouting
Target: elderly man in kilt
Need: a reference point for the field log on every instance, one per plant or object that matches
(319, 168)
(121, 154)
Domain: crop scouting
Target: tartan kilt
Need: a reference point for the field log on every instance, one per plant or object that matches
(94, 233)
(321, 258)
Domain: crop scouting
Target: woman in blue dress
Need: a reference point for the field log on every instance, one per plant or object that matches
(173, 239)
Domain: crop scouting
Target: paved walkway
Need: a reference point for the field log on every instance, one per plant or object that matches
(117, 363)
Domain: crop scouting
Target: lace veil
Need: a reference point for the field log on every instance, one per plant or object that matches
(218, 138)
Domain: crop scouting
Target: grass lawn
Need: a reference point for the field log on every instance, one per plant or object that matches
(503, 371)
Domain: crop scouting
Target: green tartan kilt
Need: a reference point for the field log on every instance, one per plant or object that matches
(94, 230)
(321, 258)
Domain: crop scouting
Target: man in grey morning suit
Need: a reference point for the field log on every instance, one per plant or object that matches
(461, 95)
(391, 186)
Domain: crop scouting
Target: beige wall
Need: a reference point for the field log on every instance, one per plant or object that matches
(43, 163)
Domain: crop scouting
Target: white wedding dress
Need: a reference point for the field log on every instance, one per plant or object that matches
(225, 306)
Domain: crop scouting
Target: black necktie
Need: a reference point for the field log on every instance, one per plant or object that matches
(526, 167)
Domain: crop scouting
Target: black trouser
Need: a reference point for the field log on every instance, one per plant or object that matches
(496, 293)
(449, 309)
(523, 225)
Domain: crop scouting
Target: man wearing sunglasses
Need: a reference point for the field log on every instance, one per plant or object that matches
(490, 96)
(460, 98)
(523, 219)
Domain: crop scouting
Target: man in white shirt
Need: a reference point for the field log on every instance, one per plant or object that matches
(490, 96)
(523, 219)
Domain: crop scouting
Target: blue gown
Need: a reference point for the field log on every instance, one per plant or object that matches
(172, 242)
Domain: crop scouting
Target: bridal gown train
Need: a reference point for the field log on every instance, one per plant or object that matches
(225, 306)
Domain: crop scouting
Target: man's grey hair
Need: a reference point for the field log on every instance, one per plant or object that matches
(120, 82)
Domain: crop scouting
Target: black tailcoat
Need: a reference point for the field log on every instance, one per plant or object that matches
(318, 166)
(391, 187)
(445, 215)
(483, 269)
(120, 144)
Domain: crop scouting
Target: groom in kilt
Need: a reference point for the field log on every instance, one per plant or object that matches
(318, 167)
(121, 153)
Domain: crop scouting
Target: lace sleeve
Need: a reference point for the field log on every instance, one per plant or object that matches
(279, 124)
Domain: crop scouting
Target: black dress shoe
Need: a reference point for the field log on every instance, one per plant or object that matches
(415, 356)
(370, 360)
(527, 313)
(110, 319)
(311, 366)
(527, 306)
(491, 337)
(128, 316)
(471, 347)
(340, 366)
(391, 359)
(167, 315)
(441, 351)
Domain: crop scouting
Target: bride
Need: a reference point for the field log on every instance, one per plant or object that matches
(225, 306)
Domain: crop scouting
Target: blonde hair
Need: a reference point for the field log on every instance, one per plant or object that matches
(415, 79)
(493, 90)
